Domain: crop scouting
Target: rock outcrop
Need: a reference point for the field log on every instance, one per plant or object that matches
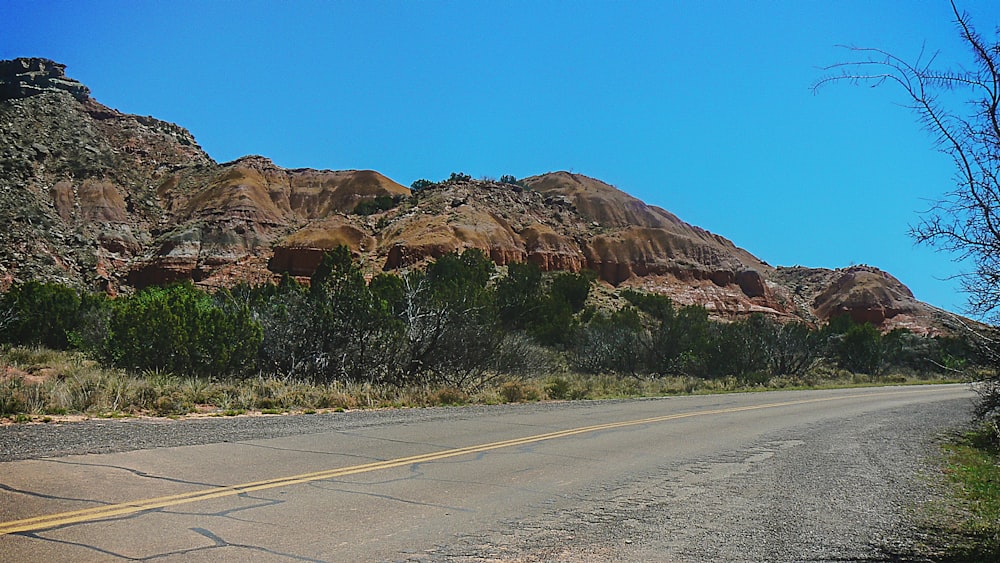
(301, 252)
(864, 293)
(77, 196)
(229, 213)
(21, 78)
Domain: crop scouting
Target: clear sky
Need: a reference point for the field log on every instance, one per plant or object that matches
(702, 108)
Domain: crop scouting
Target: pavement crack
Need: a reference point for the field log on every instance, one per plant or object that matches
(219, 542)
(102, 551)
(136, 472)
(296, 450)
(392, 498)
(35, 494)
(228, 513)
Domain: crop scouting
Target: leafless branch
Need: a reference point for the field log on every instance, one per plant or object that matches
(7, 317)
(966, 220)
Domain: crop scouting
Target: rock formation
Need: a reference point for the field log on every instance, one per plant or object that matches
(95, 198)
(230, 213)
(21, 78)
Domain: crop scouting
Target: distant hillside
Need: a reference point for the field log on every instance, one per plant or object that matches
(99, 199)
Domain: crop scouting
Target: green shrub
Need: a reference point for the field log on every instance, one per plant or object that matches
(519, 295)
(861, 350)
(420, 184)
(181, 329)
(611, 344)
(519, 392)
(458, 177)
(557, 387)
(553, 323)
(349, 331)
(572, 288)
(171, 404)
(378, 204)
(40, 314)
(452, 329)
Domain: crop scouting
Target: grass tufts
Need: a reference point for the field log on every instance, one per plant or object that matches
(36, 382)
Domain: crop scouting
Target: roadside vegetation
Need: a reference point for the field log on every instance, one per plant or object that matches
(974, 468)
(41, 384)
(962, 525)
(459, 331)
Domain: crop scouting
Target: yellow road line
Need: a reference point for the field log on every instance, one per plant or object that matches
(122, 509)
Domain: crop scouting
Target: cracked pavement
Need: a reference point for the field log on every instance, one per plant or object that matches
(779, 476)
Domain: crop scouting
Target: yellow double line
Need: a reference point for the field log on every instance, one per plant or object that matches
(123, 509)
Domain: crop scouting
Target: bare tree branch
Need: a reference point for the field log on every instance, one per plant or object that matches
(966, 221)
(7, 317)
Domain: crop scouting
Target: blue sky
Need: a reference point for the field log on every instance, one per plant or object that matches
(702, 108)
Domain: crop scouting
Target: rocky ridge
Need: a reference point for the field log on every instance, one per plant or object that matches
(100, 199)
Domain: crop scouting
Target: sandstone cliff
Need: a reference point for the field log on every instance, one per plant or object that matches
(228, 222)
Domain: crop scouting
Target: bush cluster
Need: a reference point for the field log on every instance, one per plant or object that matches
(459, 323)
(441, 326)
(377, 204)
(652, 336)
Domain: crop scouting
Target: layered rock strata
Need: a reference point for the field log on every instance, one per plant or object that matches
(95, 198)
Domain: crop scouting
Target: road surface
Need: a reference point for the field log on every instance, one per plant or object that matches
(777, 476)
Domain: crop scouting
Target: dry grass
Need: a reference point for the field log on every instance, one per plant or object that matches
(37, 384)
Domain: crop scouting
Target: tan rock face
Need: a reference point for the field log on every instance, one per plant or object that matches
(301, 252)
(597, 201)
(101, 201)
(864, 293)
(251, 207)
(550, 250)
(629, 240)
(512, 224)
(424, 234)
(64, 200)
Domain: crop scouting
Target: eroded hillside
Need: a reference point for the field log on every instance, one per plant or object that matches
(96, 198)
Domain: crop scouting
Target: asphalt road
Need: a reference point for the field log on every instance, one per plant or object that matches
(778, 476)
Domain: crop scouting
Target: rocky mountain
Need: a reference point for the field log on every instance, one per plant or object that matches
(95, 198)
